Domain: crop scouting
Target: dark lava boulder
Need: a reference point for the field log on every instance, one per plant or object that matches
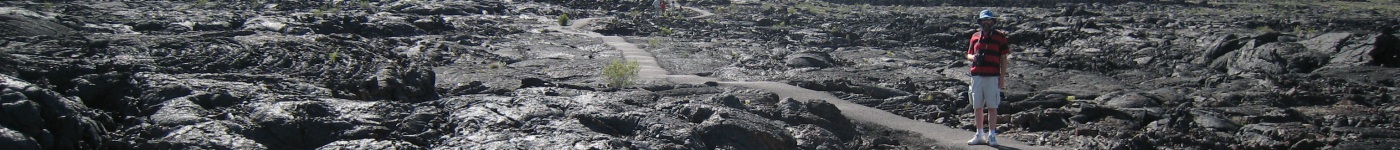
(45, 117)
(1279, 135)
(179, 111)
(368, 144)
(1040, 119)
(209, 135)
(14, 140)
(1272, 58)
(411, 84)
(447, 7)
(744, 131)
(1219, 46)
(16, 21)
(1349, 49)
(274, 24)
(1367, 144)
(1127, 100)
(1329, 42)
(1213, 120)
(810, 59)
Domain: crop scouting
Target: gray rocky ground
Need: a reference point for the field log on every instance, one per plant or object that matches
(385, 74)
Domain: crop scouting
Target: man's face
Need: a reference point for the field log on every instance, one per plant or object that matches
(987, 22)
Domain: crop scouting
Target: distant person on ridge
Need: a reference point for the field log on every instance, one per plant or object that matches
(660, 4)
(988, 53)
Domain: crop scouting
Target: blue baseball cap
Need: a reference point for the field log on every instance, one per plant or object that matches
(987, 14)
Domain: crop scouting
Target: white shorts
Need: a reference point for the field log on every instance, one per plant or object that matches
(984, 92)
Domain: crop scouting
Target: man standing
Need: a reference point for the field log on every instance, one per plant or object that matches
(988, 53)
(661, 4)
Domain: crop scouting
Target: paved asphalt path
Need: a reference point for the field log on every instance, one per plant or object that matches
(947, 138)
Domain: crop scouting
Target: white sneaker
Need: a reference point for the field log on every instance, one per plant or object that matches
(992, 139)
(976, 140)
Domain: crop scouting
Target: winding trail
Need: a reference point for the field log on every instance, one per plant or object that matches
(703, 13)
(650, 71)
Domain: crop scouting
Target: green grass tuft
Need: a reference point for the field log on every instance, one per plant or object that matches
(1264, 29)
(665, 30)
(496, 65)
(49, 7)
(334, 56)
(563, 19)
(654, 43)
(621, 73)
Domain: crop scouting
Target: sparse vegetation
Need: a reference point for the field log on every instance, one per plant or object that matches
(664, 30)
(49, 6)
(496, 65)
(325, 10)
(563, 19)
(253, 4)
(621, 73)
(1304, 30)
(654, 42)
(334, 55)
(1264, 29)
(733, 54)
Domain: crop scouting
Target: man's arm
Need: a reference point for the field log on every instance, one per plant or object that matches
(1005, 63)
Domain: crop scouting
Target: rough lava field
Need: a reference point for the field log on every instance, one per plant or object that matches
(715, 74)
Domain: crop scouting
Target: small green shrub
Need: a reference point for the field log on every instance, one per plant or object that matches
(1304, 30)
(927, 98)
(621, 73)
(318, 12)
(654, 42)
(1264, 29)
(49, 7)
(254, 4)
(563, 19)
(665, 30)
(334, 56)
(496, 65)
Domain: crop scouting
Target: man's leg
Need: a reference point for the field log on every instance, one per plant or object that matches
(993, 99)
(977, 118)
(991, 117)
(993, 102)
(977, 96)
